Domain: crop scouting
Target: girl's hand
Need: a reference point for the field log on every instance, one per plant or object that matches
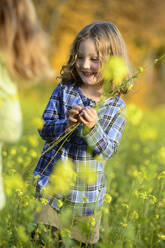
(74, 115)
(88, 117)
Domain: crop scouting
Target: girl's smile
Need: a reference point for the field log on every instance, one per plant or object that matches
(87, 63)
(88, 75)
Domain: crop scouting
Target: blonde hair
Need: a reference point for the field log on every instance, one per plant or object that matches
(108, 41)
(22, 42)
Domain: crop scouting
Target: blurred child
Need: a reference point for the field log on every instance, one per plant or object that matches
(23, 56)
(73, 101)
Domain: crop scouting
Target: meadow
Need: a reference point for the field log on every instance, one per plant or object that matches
(134, 211)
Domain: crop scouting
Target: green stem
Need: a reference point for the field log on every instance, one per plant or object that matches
(134, 76)
(56, 142)
(60, 147)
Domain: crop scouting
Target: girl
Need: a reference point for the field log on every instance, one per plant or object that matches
(73, 101)
(19, 34)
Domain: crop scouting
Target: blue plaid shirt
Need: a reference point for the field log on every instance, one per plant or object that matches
(103, 139)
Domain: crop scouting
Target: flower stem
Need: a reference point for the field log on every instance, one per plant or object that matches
(68, 135)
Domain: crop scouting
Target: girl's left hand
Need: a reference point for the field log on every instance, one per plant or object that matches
(88, 117)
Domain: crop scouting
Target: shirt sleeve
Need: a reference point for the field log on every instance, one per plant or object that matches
(104, 141)
(55, 121)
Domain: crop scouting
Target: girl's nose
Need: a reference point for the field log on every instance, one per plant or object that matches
(85, 64)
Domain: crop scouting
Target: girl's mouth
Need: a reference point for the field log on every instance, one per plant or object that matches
(87, 74)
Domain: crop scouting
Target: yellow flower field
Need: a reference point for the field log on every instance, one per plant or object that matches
(134, 210)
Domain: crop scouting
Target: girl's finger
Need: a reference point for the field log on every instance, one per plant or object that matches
(77, 107)
(90, 112)
(87, 115)
(74, 112)
(92, 115)
(83, 120)
(93, 111)
(72, 119)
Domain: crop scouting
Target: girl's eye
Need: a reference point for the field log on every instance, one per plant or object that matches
(95, 59)
(79, 57)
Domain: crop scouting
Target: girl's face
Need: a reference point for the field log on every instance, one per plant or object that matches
(87, 62)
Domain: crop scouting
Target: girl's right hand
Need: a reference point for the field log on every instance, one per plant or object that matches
(74, 115)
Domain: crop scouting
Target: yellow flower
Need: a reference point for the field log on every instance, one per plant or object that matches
(20, 160)
(26, 203)
(33, 153)
(153, 199)
(44, 189)
(143, 195)
(136, 173)
(140, 69)
(92, 220)
(36, 178)
(161, 175)
(130, 86)
(115, 69)
(161, 236)
(156, 61)
(63, 178)
(157, 216)
(44, 201)
(13, 151)
(107, 198)
(99, 158)
(135, 114)
(60, 203)
(87, 174)
(85, 198)
(135, 215)
(33, 140)
(66, 233)
(123, 224)
(14, 182)
(20, 193)
(124, 205)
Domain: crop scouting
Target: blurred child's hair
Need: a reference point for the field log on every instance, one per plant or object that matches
(108, 41)
(22, 42)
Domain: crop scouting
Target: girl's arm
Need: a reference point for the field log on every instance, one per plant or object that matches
(104, 138)
(54, 118)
